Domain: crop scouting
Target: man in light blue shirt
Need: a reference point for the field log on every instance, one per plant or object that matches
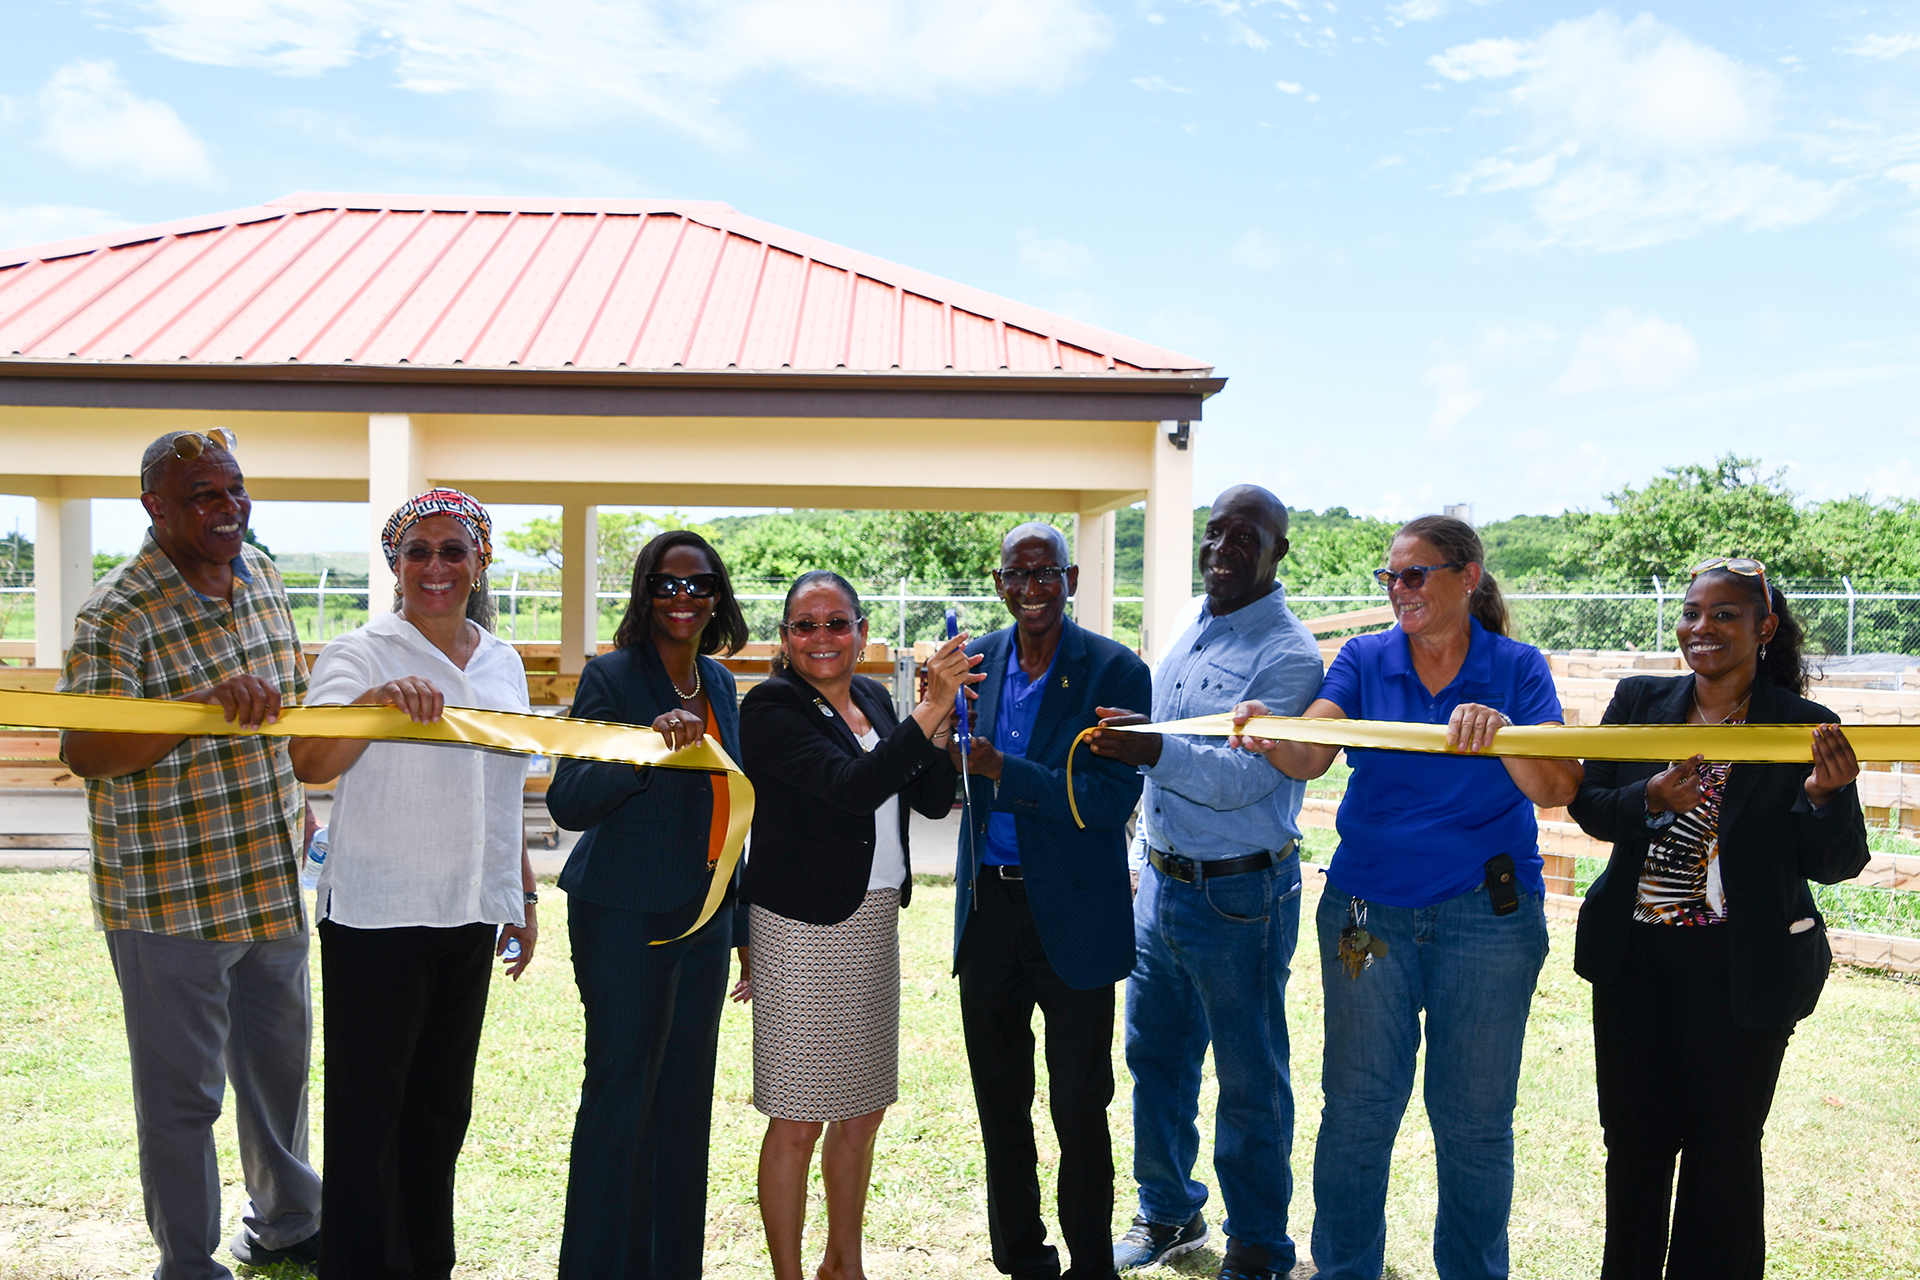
(1217, 913)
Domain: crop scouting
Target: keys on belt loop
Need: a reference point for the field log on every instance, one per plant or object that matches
(1358, 948)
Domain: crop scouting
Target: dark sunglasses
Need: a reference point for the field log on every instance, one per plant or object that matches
(1047, 576)
(1414, 576)
(699, 586)
(807, 626)
(189, 445)
(420, 553)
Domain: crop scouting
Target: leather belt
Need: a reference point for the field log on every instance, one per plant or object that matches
(1189, 870)
(1004, 871)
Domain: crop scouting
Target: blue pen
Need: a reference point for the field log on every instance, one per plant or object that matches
(961, 737)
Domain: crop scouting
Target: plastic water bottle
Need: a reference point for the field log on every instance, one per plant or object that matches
(513, 944)
(316, 859)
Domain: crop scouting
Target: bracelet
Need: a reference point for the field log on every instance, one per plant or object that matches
(532, 897)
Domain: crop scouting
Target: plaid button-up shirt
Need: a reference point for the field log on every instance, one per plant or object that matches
(204, 843)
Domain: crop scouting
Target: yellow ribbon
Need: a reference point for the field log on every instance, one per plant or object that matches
(500, 730)
(1734, 743)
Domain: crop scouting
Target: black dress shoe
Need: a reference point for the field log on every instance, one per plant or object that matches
(1249, 1262)
(302, 1253)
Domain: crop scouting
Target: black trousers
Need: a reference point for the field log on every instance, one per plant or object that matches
(1677, 1077)
(1003, 974)
(403, 1010)
(637, 1181)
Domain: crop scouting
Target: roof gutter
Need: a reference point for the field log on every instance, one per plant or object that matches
(840, 393)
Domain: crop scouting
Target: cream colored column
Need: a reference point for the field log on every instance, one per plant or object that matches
(395, 472)
(62, 573)
(1093, 550)
(579, 585)
(1169, 537)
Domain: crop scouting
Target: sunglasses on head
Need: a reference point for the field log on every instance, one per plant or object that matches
(1414, 576)
(1745, 566)
(420, 553)
(807, 626)
(698, 586)
(189, 445)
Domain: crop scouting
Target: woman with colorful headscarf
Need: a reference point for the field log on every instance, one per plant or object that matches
(427, 862)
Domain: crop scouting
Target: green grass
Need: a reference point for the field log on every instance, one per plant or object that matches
(1843, 1147)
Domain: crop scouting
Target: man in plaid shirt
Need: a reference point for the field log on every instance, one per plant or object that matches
(195, 850)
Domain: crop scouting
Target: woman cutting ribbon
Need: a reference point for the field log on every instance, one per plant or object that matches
(834, 775)
(1435, 903)
(428, 857)
(635, 882)
(1701, 938)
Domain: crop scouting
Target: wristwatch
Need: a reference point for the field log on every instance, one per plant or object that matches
(533, 897)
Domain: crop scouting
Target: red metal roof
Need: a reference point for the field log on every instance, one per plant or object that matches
(392, 281)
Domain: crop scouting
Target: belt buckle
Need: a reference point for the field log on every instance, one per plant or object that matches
(1185, 870)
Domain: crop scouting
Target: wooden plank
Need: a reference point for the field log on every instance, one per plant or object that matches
(1875, 950)
(15, 777)
(43, 840)
(1378, 616)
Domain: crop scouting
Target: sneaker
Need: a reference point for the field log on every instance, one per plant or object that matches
(1148, 1244)
(302, 1253)
(1248, 1262)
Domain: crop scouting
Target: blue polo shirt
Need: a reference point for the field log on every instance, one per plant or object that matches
(1012, 732)
(1417, 829)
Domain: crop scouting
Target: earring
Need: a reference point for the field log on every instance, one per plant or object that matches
(1763, 652)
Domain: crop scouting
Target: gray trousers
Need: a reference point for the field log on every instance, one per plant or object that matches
(198, 1012)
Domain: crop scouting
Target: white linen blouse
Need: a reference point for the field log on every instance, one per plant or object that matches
(423, 833)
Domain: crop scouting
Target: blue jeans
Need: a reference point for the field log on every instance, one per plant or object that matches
(1473, 973)
(1211, 964)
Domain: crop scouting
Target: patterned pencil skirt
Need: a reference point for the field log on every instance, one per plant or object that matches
(826, 1012)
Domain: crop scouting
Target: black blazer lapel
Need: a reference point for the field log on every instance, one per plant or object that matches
(832, 723)
(1062, 699)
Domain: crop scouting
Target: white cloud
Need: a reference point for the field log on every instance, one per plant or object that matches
(1156, 84)
(92, 120)
(23, 225)
(1629, 134)
(1455, 397)
(1056, 259)
(1258, 251)
(1423, 10)
(661, 57)
(1481, 60)
(1626, 351)
(1518, 341)
(1884, 46)
(1906, 173)
(1287, 86)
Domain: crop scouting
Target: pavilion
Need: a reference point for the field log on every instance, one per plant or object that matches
(578, 353)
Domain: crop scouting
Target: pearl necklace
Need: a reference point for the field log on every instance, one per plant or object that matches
(687, 697)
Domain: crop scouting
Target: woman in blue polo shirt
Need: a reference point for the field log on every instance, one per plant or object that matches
(1435, 903)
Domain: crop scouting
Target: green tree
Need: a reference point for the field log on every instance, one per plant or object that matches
(1690, 512)
(622, 534)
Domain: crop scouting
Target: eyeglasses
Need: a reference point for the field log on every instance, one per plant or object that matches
(189, 445)
(1745, 566)
(1414, 576)
(1051, 575)
(420, 553)
(832, 626)
(699, 586)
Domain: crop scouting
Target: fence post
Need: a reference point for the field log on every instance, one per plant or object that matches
(1848, 583)
(903, 614)
(513, 607)
(1659, 617)
(320, 602)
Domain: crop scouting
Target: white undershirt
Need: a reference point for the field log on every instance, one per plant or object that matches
(423, 833)
(889, 859)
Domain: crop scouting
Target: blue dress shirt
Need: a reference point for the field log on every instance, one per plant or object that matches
(1204, 800)
(1012, 731)
(1417, 829)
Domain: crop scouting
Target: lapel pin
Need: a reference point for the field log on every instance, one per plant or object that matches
(1063, 682)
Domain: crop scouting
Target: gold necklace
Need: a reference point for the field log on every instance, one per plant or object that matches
(1730, 715)
(687, 697)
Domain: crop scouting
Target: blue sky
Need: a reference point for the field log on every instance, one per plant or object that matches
(1508, 254)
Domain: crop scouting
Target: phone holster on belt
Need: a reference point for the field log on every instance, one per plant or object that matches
(1503, 886)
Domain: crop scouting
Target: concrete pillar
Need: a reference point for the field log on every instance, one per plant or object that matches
(1169, 536)
(396, 471)
(579, 585)
(1093, 550)
(62, 573)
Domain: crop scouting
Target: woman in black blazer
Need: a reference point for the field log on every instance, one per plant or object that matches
(1701, 937)
(833, 777)
(637, 1182)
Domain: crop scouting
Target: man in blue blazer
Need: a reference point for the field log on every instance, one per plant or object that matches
(1043, 914)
